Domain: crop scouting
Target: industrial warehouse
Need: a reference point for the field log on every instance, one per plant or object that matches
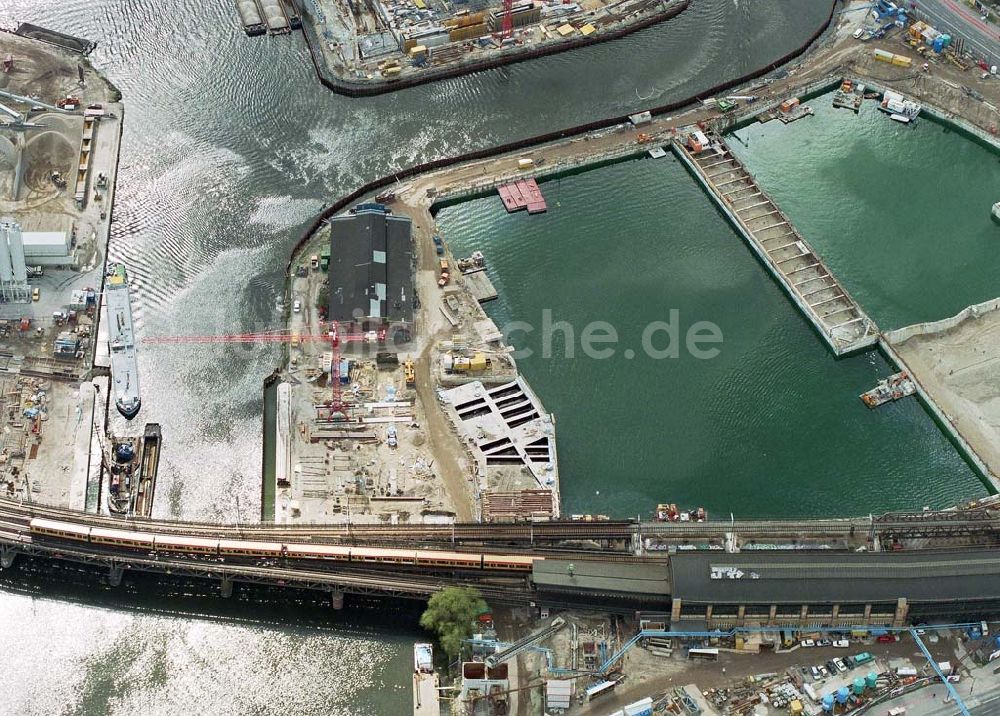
(371, 269)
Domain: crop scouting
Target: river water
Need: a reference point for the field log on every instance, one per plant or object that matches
(230, 146)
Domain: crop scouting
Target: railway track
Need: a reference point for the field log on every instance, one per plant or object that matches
(15, 516)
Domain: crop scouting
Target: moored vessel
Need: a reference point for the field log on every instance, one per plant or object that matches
(121, 342)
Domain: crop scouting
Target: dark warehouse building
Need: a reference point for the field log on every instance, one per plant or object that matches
(371, 268)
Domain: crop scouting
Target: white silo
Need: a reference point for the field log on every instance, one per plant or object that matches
(17, 264)
(6, 272)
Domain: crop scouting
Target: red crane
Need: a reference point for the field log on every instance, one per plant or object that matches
(333, 335)
(507, 27)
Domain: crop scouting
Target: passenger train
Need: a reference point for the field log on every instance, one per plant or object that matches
(153, 543)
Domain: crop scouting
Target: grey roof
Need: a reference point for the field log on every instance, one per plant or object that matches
(810, 577)
(619, 578)
(371, 267)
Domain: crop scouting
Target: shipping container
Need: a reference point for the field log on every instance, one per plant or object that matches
(883, 56)
(789, 104)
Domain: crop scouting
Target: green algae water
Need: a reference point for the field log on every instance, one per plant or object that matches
(772, 426)
(900, 214)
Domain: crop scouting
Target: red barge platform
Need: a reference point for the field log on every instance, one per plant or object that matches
(522, 194)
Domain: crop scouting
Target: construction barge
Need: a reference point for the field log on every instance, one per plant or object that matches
(259, 17)
(522, 194)
(130, 468)
(896, 386)
(121, 342)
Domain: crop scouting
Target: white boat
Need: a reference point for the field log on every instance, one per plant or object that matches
(901, 118)
(423, 658)
(996, 211)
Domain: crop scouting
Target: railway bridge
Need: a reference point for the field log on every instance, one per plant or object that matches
(886, 569)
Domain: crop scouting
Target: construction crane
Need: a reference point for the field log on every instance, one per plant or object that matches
(507, 26)
(337, 409)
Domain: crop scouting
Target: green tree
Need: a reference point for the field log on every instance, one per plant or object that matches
(450, 614)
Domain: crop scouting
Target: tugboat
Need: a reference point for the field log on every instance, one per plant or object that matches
(996, 212)
(888, 389)
(121, 342)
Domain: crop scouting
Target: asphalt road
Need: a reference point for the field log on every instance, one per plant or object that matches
(959, 20)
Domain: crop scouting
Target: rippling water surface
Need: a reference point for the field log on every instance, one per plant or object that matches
(230, 146)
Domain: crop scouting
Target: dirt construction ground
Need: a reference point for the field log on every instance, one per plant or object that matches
(959, 367)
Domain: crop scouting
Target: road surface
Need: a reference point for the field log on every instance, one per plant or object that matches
(959, 20)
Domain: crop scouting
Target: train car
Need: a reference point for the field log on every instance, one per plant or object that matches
(513, 562)
(121, 538)
(317, 551)
(438, 558)
(250, 548)
(383, 554)
(62, 530)
(187, 545)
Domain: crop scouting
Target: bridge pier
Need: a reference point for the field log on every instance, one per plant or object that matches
(227, 587)
(115, 573)
(7, 555)
(337, 599)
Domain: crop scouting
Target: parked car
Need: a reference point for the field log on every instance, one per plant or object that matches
(841, 643)
(824, 642)
(885, 639)
(815, 674)
(807, 642)
(832, 667)
(849, 662)
(823, 671)
(297, 306)
(839, 665)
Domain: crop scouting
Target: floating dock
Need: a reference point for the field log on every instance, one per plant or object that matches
(426, 701)
(836, 316)
(479, 285)
(522, 194)
(849, 96)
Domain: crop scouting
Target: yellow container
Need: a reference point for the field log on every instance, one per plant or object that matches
(478, 362)
(901, 61)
